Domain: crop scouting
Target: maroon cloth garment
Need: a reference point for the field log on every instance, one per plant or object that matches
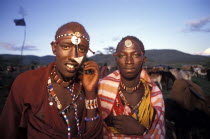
(27, 113)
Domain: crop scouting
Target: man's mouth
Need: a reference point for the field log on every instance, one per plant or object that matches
(129, 68)
(70, 66)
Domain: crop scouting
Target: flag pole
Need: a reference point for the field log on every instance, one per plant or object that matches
(24, 39)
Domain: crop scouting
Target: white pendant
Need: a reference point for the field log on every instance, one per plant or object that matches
(51, 103)
(75, 40)
(128, 43)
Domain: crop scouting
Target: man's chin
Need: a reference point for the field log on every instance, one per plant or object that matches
(129, 75)
(69, 75)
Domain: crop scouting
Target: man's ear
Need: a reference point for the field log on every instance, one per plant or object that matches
(144, 59)
(53, 45)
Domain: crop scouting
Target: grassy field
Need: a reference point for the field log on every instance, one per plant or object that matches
(203, 83)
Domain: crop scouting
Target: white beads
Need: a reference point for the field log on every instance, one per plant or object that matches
(91, 104)
(76, 35)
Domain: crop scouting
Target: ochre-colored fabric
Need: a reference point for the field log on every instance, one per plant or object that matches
(108, 94)
(145, 109)
(27, 113)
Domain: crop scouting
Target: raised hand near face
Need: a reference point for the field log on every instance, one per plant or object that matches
(126, 124)
(90, 78)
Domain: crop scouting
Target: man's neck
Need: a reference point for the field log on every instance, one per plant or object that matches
(131, 82)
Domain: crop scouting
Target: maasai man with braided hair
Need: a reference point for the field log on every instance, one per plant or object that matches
(58, 101)
(132, 105)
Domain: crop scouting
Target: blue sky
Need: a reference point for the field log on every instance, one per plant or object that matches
(183, 25)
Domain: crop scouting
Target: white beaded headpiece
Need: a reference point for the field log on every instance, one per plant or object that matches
(76, 37)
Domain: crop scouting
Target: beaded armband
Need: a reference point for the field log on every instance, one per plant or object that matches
(91, 104)
(91, 119)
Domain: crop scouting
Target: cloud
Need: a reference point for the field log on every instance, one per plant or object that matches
(205, 52)
(13, 47)
(115, 39)
(199, 25)
(102, 41)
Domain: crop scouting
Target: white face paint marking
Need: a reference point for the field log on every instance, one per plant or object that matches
(79, 59)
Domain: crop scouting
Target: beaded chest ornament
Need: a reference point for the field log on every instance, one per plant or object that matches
(130, 91)
(53, 96)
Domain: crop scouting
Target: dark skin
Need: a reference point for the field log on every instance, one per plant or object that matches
(130, 61)
(67, 67)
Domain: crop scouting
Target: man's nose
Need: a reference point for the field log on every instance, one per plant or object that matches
(129, 60)
(73, 53)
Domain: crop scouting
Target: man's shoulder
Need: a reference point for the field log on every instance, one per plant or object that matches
(33, 73)
(114, 76)
(33, 76)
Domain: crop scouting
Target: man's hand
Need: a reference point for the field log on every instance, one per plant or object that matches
(128, 125)
(90, 78)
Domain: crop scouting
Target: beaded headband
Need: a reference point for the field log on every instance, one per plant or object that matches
(128, 43)
(76, 38)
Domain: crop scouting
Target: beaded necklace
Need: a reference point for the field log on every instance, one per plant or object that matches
(58, 80)
(126, 102)
(130, 90)
(52, 96)
(134, 108)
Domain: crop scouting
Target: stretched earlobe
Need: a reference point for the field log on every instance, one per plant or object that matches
(91, 51)
(145, 59)
(53, 47)
(52, 43)
(54, 51)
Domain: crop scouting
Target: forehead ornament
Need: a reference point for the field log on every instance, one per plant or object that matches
(128, 43)
(76, 38)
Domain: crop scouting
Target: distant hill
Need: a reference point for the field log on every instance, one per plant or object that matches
(154, 57)
(27, 59)
(173, 57)
(161, 56)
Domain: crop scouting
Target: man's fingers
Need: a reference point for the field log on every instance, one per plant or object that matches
(91, 63)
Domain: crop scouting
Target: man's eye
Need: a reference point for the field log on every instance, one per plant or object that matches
(65, 47)
(121, 56)
(136, 54)
(81, 49)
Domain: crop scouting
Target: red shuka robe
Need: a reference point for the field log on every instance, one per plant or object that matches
(27, 113)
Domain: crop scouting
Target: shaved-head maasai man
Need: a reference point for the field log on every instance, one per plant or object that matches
(58, 101)
(132, 105)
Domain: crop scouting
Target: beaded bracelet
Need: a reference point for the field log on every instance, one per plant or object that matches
(91, 104)
(91, 119)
